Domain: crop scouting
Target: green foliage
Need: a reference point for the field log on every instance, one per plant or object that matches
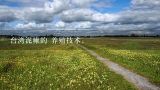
(52, 68)
(142, 55)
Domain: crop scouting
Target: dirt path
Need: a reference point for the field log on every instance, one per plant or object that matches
(140, 82)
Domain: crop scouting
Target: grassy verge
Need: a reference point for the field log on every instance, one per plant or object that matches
(52, 68)
(141, 55)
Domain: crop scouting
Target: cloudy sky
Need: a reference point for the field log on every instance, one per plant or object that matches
(142, 16)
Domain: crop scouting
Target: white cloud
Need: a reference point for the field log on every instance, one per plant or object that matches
(42, 14)
(83, 25)
(105, 17)
(38, 16)
(82, 3)
(45, 14)
(103, 4)
(77, 15)
(60, 24)
(30, 25)
(7, 14)
(51, 8)
(128, 27)
(139, 16)
(56, 6)
(146, 2)
(143, 14)
(138, 4)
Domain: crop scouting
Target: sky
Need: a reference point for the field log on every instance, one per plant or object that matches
(112, 16)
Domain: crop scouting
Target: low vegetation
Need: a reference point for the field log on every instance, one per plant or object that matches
(55, 67)
(141, 55)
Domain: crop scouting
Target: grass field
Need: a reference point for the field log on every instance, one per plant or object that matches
(141, 55)
(54, 67)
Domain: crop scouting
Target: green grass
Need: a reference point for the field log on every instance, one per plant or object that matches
(55, 67)
(142, 55)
